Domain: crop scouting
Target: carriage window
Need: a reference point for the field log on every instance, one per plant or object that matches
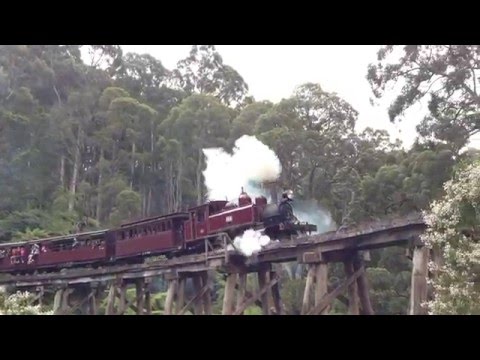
(201, 216)
(169, 225)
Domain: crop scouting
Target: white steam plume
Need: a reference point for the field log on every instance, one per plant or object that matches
(313, 213)
(251, 161)
(250, 242)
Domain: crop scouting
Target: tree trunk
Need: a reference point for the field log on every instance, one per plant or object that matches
(76, 166)
(98, 209)
(310, 182)
(62, 171)
(133, 166)
(149, 203)
(199, 177)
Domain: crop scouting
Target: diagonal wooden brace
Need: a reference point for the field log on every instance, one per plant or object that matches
(251, 300)
(327, 299)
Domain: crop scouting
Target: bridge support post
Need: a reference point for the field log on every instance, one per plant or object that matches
(172, 289)
(180, 295)
(197, 285)
(60, 303)
(147, 297)
(229, 296)
(316, 283)
(321, 284)
(268, 292)
(92, 301)
(38, 298)
(110, 308)
(140, 295)
(353, 298)
(207, 297)
(308, 287)
(363, 288)
(419, 289)
(277, 302)
(263, 280)
(242, 290)
(201, 301)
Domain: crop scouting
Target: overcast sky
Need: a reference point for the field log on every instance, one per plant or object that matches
(273, 71)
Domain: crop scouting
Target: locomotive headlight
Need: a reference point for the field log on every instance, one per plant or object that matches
(290, 194)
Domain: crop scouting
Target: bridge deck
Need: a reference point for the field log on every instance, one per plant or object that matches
(327, 246)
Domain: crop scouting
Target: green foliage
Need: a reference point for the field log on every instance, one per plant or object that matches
(453, 233)
(448, 74)
(19, 304)
(292, 295)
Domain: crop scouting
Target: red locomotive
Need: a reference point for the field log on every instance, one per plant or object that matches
(171, 235)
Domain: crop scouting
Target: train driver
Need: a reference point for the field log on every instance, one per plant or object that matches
(285, 207)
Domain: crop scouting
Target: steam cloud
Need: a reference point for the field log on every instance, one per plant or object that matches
(251, 162)
(313, 213)
(251, 242)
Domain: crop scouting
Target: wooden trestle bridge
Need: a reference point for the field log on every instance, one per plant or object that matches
(82, 289)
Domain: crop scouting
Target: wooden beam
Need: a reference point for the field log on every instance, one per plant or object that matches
(251, 300)
(172, 286)
(419, 289)
(308, 287)
(130, 305)
(38, 296)
(140, 295)
(362, 283)
(180, 295)
(110, 309)
(122, 306)
(262, 282)
(248, 294)
(148, 300)
(353, 301)
(92, 302)
(197, 297)
(277, 302)
(207, 297)
(65, 299)
(57, 302)
(197, 285)
(242, 288)
(229, 295)
(321, 284)
(327, 299)
(82, 304)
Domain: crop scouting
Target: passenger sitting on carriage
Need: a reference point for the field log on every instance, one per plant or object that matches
(23, 253)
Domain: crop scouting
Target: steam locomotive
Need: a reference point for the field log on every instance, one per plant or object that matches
(216, 223)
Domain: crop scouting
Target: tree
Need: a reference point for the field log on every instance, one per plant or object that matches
(447, 73)
(199, 122)
(19, 304)
(453, 231)
(204, 72)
